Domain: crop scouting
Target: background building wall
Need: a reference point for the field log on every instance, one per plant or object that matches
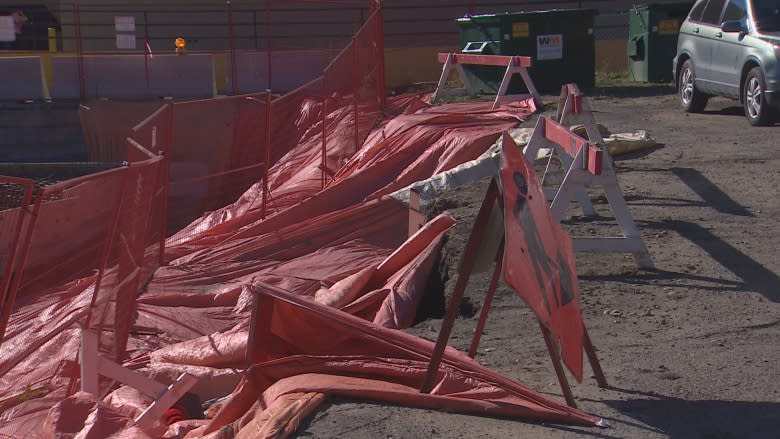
(415, 30)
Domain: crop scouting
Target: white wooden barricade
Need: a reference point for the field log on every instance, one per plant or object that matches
(93, 365)
(514, 65)
(577, 164)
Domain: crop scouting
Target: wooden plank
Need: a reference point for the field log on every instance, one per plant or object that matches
(487, 60)
(174, 392)
(555, 358)
(88, 357)
(464, 272)
(561, 135)
(136, 380)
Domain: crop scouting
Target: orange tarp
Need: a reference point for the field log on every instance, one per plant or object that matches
(406, 149)
(345, 244)
(303, 347)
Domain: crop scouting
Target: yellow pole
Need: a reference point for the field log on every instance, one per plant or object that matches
(52, 39)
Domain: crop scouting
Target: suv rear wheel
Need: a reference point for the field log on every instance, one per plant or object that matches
(757, 110)
(691, 100)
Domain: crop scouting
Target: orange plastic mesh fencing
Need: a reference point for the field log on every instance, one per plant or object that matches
(370, 88)
(132, 256)
(310, 23)
(105, 125)
(157, 190)
(217, 153)
(74, 217)
(150, 138)
(184, 159)
(157, 230)
(294, 116)
(67, 236)
(15, 216)
(107, 224)
(347, 104)
(154, 134)
(216, 148)
(339, 86)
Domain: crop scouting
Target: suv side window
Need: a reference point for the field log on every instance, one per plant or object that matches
(697, 10)
(712, 12)
(736, 10)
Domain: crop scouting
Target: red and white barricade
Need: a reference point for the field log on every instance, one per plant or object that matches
(514, 65)
(577, 164)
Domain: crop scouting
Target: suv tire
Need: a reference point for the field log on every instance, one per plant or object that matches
(691, 100)
(757, 110)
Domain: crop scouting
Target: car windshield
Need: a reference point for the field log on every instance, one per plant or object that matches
(767, 15)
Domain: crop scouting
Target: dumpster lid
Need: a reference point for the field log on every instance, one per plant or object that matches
(665, 6)
(497, 15)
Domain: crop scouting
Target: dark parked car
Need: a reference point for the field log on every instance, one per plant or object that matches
(731, 48)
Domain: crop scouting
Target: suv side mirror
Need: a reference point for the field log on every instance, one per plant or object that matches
(732, 26)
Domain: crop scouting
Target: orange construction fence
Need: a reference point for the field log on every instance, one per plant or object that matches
(216, 149)
(15, 215)
(93, 228)
(103, 235)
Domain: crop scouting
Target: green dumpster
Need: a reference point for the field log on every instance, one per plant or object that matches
(652, 40)
(561, 43)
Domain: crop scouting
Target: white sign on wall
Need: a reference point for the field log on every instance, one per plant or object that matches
(125, 41)
(125, 31)
(124, 23)
(7, 31)
(549, 46)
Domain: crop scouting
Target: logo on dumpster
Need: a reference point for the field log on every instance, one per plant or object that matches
(549, 46)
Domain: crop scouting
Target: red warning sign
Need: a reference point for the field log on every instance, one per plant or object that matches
(539, 257)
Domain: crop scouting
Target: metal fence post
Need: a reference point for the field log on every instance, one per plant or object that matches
(147, 51)
(379, 28)
(268, 41)
(10, 297)
(356, 91)
(108, 245)
(166, 182)
(267, 152)
(79, 50)
(324, 162)
(231, 33)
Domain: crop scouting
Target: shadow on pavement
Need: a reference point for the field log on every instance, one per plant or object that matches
(632, 91)
(709, 192)
(754, 276)
(679, 418)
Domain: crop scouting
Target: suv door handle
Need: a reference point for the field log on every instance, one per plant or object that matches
(719, 34)
(696, 30)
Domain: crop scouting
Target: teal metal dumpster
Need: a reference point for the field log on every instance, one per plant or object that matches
(652, 40)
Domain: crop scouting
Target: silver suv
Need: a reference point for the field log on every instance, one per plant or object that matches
(731, 48)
